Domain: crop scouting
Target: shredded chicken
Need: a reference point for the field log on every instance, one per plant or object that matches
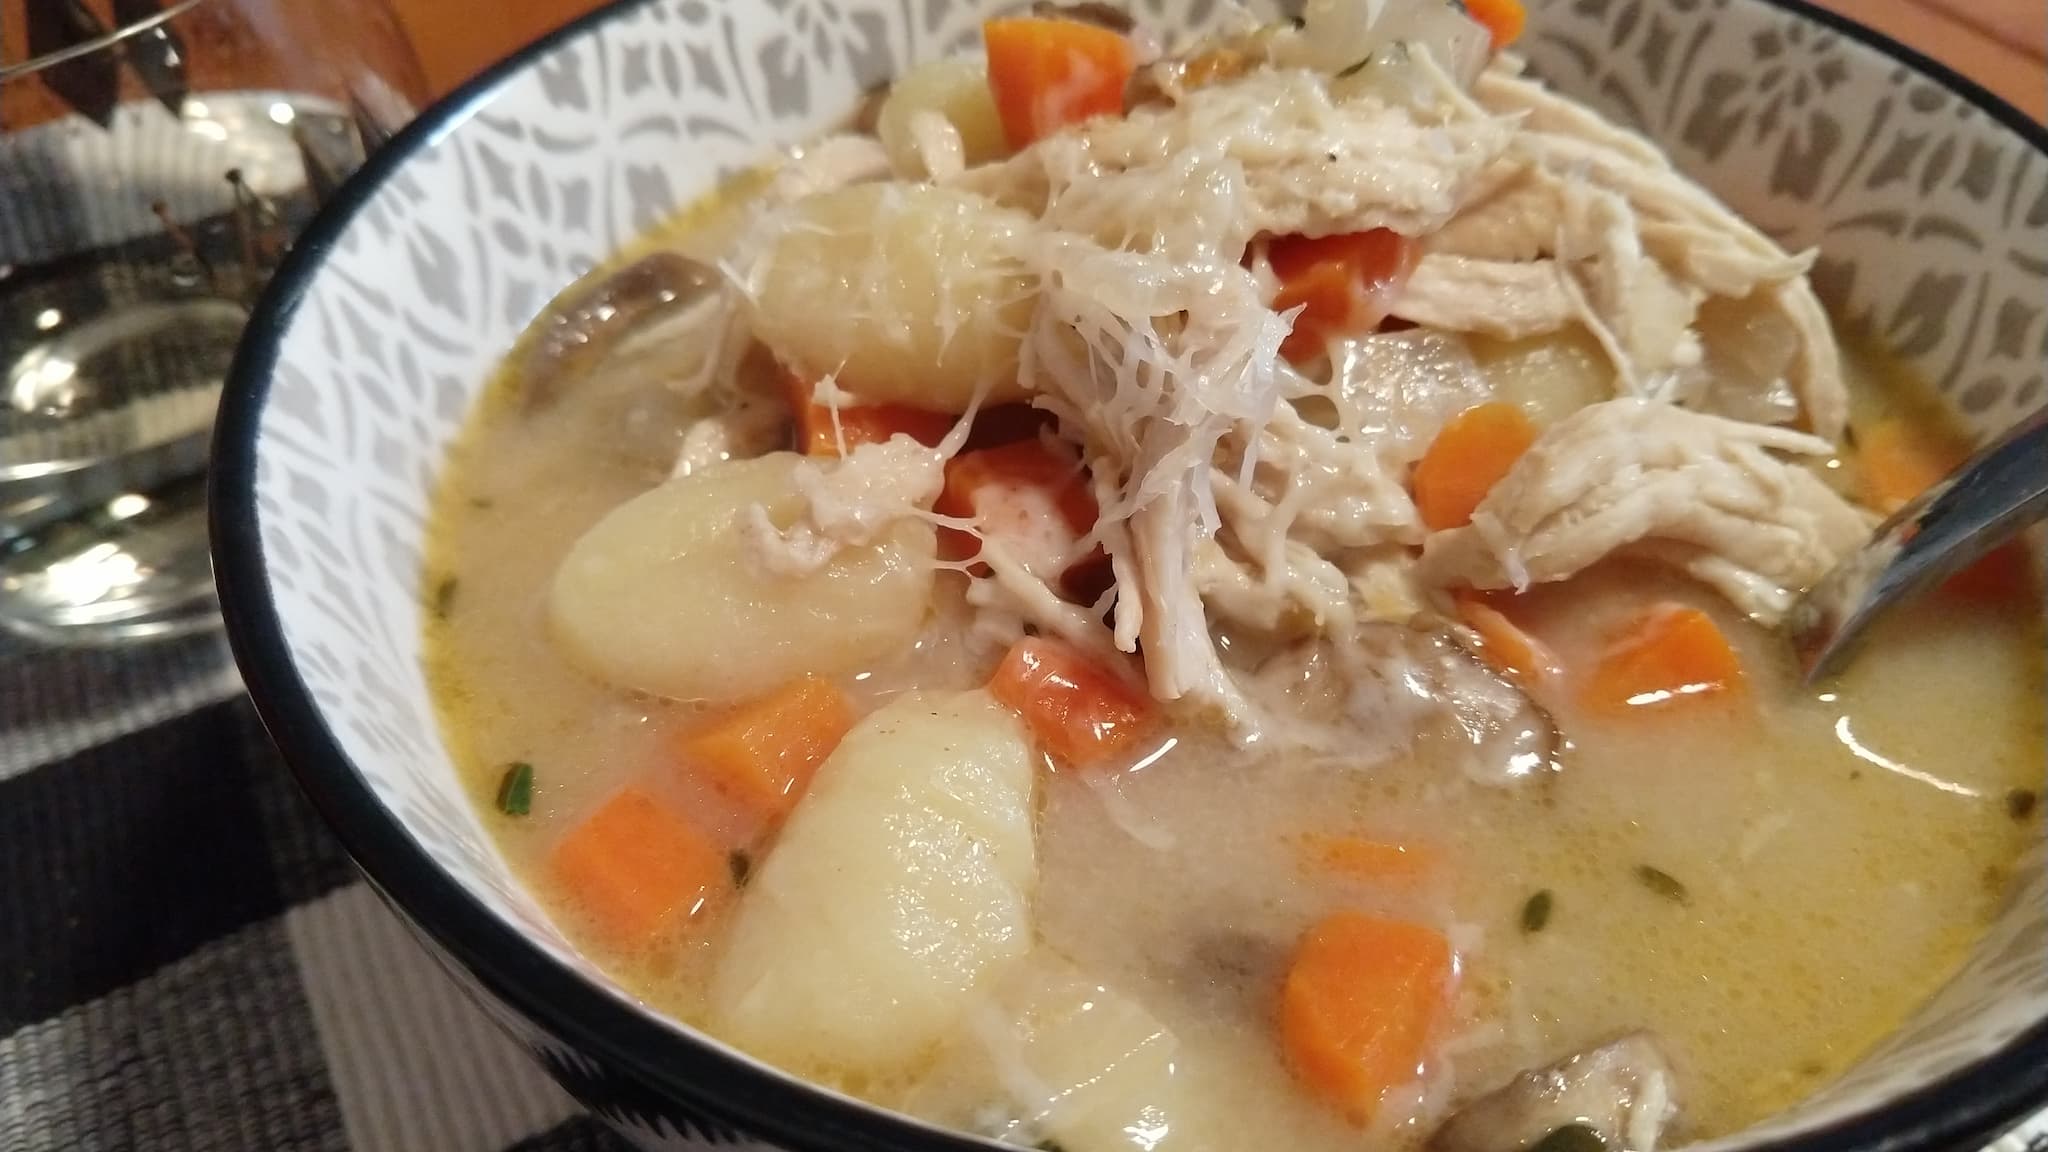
(847, 503)
(1509, 299)
(1302, 161)
(1707, 492)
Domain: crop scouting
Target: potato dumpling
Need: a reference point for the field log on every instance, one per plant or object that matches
(659, 595)
(909, 294)
(956, 88)
(1103, 1066)
(899, 891)
(1549, 377)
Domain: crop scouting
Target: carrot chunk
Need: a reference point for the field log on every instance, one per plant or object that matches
(1025, 491)
(639, 869)
(858, 423)
(1670, 653)
(1362, 997)
(1080, 711)
(762, 754)
(1504, 645)
(1358, 858)
(1502, 19)
(1472, 453)
(1048, 74)
(1897, 460)
(1342, 284)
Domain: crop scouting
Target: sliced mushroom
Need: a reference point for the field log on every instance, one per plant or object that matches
(1618, 1096)
(599, 317)
(1499, 734)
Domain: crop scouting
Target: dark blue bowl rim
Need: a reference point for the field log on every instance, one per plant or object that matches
(1969, 1107)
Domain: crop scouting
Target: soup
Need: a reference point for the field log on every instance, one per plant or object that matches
(1224, 599)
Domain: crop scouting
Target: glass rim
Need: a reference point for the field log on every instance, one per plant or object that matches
(35, 64)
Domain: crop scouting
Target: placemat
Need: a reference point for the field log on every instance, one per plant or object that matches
(189, 962)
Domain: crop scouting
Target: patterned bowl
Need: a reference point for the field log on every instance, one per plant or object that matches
(1928, 197)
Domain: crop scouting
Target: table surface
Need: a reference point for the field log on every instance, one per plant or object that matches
(1978, 38)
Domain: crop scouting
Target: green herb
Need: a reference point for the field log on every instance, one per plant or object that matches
(1663, 884)
(742, 866)
(1049, 1146)
(2021, 802)
(1353, 69)
(515, 790)
(1571, 1138)
(444, 598)
(1536, 913)
(482, 503)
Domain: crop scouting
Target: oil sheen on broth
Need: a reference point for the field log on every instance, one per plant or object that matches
(1767, 882)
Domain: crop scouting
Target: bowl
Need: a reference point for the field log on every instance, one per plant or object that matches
(1927, 197)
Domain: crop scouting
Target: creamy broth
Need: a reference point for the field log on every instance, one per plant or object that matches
(1805, 826)
(1764, 881)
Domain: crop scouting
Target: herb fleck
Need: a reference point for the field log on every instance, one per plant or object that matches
(444, 598)
(515, 790)
(1571, 1138)
(1663, 884)
(1354, 69)
(1049, 1146)
(742, 866)
(482, 503)
(2021, 802)
(1536, 913)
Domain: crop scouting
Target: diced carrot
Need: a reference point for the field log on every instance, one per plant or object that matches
(1358, 858)
(1341, 283)
(1475, 449)
(1006, 424)
(1360, 1002)
(858, 423)
(761, 755)
(1022, 490)
(1505, 646)
(1081, 712)
(1668, 654)
(1897, 460)
(639, 869)
(1502, 19)
(1046, 74)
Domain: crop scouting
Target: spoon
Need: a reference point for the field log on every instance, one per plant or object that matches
(1991, 498)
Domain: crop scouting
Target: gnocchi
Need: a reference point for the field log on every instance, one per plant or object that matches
(905, 294)
(954, 87)
(898, 893)
(659, 596)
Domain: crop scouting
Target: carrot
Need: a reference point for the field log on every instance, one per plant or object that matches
(1022, 490)
(1475, 449)
(1080, 711)
(1340, 283)
(858, 423)
(1357, 858)
(761, 755)
(1502, 19)
(1361, 999)
(1668, 654)
(1048, 74)
(1504, 645)
(1897, 460)
(639, 869)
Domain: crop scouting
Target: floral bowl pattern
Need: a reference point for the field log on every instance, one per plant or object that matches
(1928, 199)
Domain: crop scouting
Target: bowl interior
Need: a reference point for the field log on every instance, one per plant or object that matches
(1932, 214)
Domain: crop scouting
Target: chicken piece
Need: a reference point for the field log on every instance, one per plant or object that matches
(1621, 1091)
(1642, 316)
(1308, 162)
(846, 503)
(1629, 471)
(1508, 299)
(1516, 220)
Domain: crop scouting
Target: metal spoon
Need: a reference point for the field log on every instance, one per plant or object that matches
(1994, 496)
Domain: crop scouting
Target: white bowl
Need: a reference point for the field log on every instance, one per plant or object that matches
(1928, 198)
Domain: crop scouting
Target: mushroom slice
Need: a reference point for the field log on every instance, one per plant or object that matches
(1618, 1095)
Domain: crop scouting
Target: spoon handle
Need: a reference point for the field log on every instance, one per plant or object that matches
(1994, 496)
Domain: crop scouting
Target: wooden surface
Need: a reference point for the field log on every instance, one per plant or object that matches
(1998, 43)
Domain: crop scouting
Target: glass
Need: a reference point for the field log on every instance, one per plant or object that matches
(156, 158)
